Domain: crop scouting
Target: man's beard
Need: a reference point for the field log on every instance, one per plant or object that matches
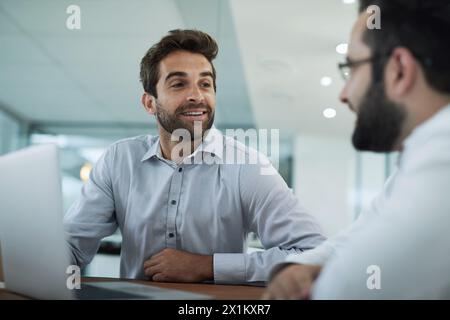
(172, 122)
(379, 121)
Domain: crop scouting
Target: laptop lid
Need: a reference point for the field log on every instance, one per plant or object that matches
(34, 250)
(35, 256)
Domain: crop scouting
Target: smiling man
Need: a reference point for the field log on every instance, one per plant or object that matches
(398, 84)
(184, 220)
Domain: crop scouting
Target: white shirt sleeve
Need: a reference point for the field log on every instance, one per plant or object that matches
(320, 254)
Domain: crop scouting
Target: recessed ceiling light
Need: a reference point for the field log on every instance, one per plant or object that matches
(326, 81)
(342, 48)
(85, 171)
(329, 113)
(348, 1)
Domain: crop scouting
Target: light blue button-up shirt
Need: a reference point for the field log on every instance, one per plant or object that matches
(204, 208)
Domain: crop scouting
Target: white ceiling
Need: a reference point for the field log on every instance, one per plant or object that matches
(286, 47)
(51, 73)
(272, 56)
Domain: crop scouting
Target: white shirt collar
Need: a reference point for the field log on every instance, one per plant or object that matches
(439, 121)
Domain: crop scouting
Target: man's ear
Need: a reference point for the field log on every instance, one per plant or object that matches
(401, 73)
(149, 103)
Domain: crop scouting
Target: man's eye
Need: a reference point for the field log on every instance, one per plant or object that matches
(206, 85)
(177, 85)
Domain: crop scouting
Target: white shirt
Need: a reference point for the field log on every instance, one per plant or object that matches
(402, 243)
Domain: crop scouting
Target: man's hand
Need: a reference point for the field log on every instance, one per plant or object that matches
(172, 265)
(293, 282)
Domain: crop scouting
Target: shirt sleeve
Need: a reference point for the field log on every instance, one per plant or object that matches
(283, 225)
(320, 254)
(323, 252)
(403, 254)
(92, 216)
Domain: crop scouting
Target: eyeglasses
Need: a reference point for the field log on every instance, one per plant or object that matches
(347, 67)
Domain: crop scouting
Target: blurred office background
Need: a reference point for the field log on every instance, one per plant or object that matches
(276, 69)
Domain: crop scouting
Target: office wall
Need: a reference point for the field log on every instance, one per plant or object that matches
(10, 139)
(333, 180)
(10, 134)
(1, 264)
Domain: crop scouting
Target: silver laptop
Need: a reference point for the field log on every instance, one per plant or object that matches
(34, 251)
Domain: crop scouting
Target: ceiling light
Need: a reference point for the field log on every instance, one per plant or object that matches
(326, 81)
(329, 113)
(85, 171)
(342, 48)
(348, 1)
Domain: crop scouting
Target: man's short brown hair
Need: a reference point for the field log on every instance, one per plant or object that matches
(188, 40)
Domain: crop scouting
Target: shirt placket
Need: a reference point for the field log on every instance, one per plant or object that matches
(174, 199)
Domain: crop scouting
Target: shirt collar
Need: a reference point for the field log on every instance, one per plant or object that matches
(437, 122)
(212, 144)
(152, 149)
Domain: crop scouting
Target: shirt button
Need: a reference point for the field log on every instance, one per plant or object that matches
(171, 235)
(173, 202)
(180, 169)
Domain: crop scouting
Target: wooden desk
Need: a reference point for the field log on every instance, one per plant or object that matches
(219, 292)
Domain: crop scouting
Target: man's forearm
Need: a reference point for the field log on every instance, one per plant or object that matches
(207, 268)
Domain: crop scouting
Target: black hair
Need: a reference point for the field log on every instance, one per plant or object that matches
(421, 26)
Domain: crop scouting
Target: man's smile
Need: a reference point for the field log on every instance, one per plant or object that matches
(195, 115)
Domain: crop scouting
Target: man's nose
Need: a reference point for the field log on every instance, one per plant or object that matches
(343, 95)
(196, 95)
